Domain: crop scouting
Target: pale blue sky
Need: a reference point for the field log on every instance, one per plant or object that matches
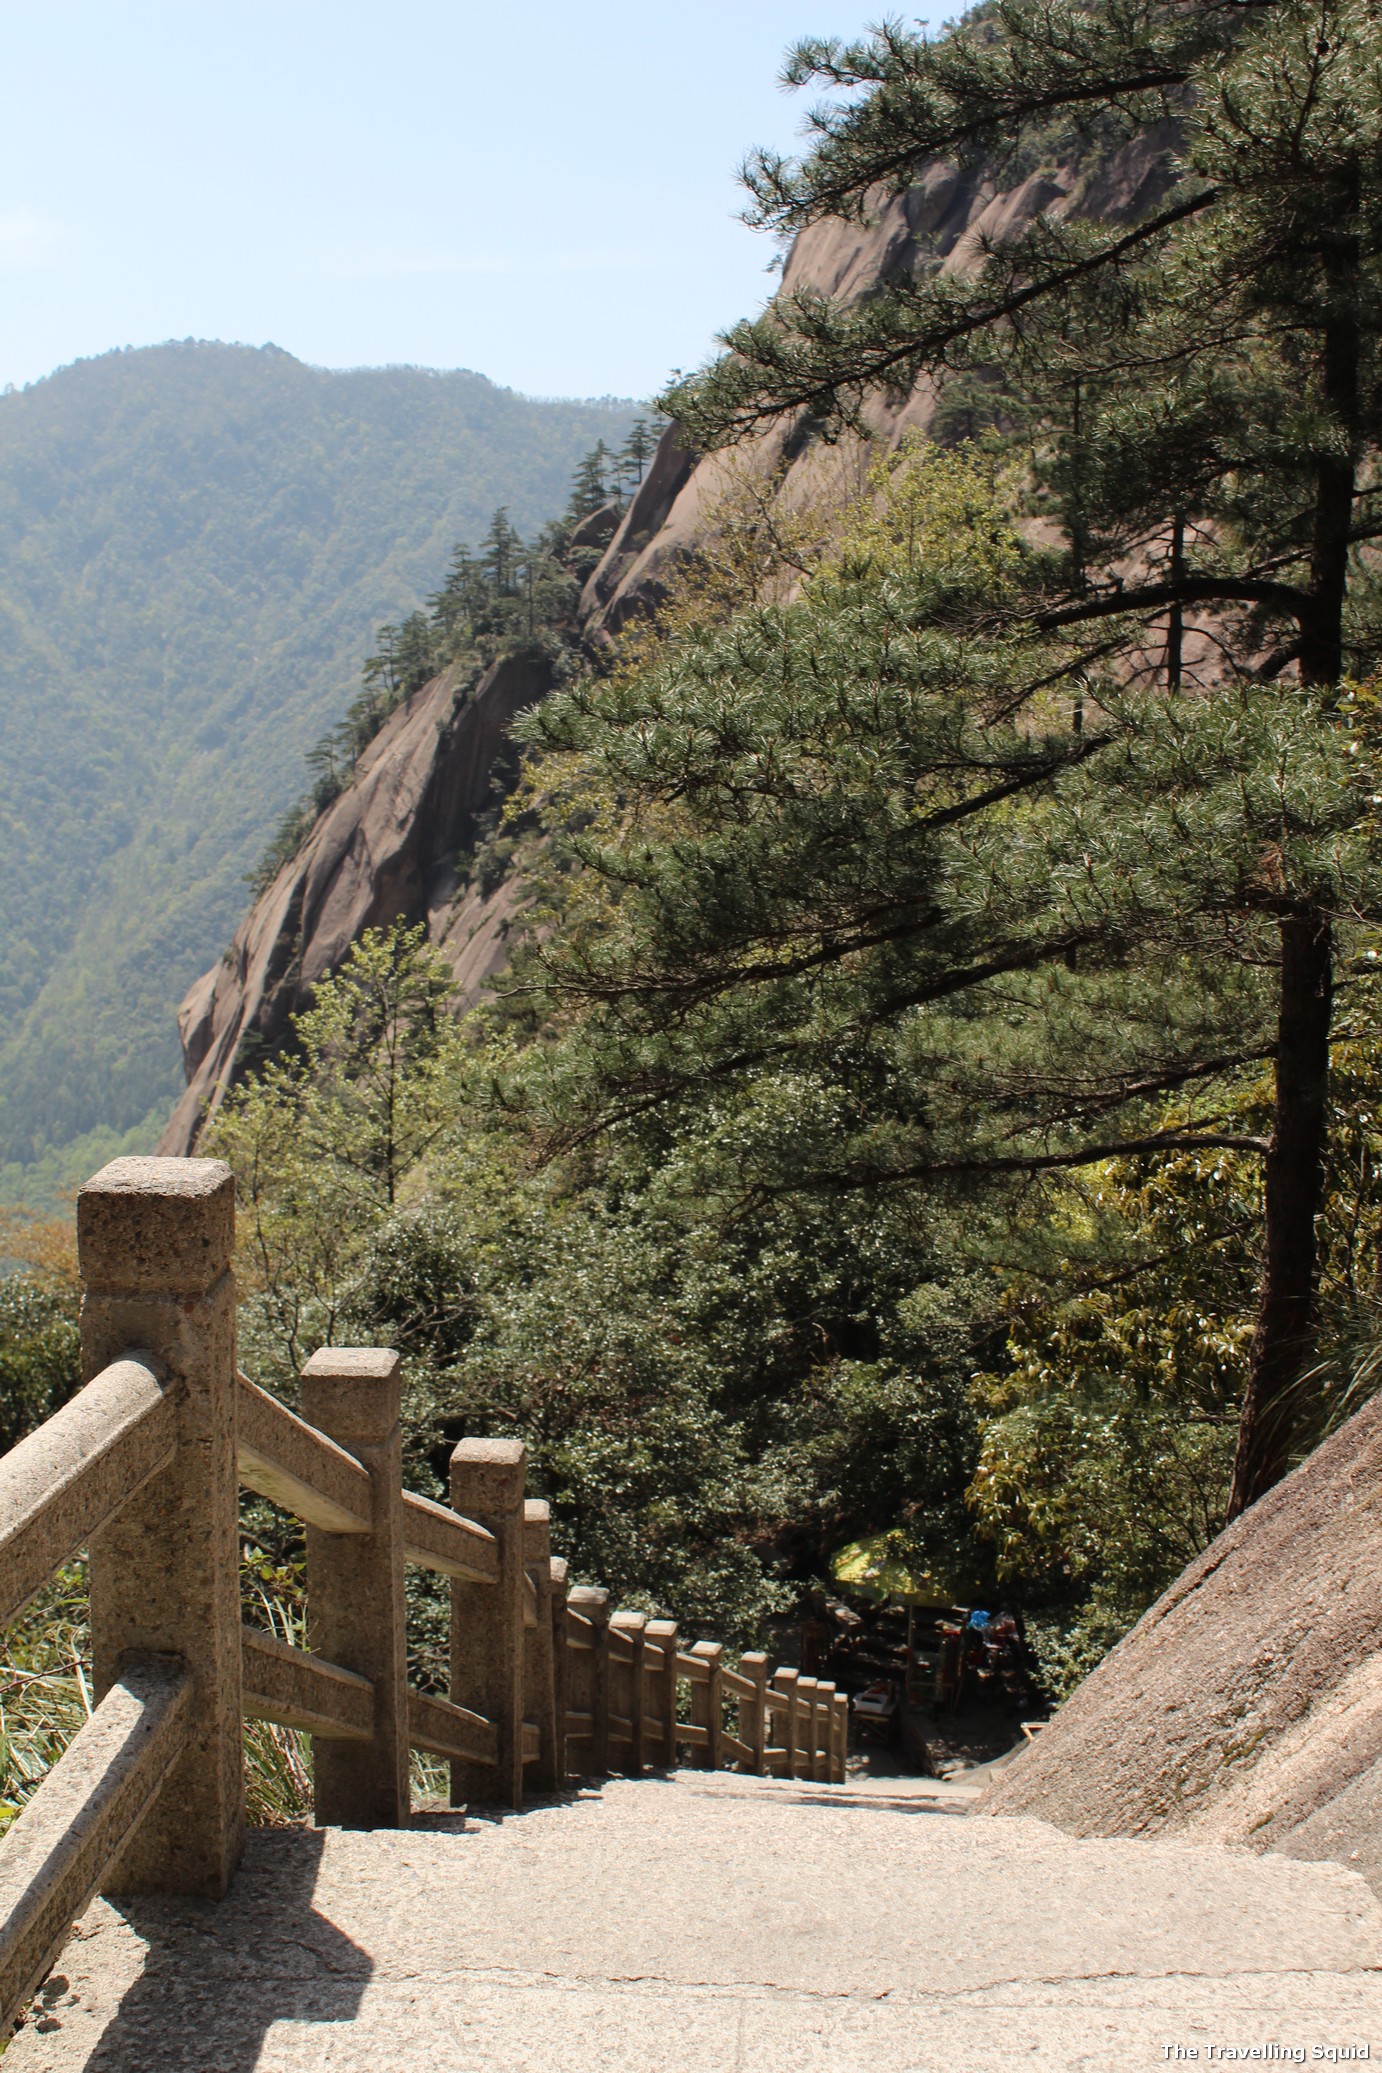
(544, 192)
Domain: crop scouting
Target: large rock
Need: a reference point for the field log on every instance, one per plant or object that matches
(388, 849)
(1246, 1706)
(947, 215)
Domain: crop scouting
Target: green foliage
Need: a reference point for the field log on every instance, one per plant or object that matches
(40, 1360)
(1196, 394)
(591, 488)
(324, 1139)
(1189, 368)
(46, 1697)
(603, 477)
(635, 454)
(1109, 1429)
(850, 839)
(196, 542)
(712, 1406)
(849, 913)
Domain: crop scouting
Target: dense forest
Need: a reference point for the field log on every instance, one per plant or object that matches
(196, 541)
(934, 1098)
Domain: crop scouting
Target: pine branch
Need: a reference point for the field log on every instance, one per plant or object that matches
(1024, 1162)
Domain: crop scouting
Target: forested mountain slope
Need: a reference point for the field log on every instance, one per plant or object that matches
(348, 868)
(196, 543)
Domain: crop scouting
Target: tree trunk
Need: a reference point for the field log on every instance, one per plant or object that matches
(1282, 1341)
(1175, 632)
(1293, 1185)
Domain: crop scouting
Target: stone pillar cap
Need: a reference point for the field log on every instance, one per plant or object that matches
(156, 1226)
(351, 1364)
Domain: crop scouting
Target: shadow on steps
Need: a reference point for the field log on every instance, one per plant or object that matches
(319, 1975)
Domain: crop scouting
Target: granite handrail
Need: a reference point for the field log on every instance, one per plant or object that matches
(144, 1468)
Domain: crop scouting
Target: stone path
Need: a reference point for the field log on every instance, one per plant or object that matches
(715, 1924)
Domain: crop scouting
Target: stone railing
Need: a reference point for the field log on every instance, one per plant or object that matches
(143, 1468)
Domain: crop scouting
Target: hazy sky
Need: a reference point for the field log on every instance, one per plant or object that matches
(542, 190)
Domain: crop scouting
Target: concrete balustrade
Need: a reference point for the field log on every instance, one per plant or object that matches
(56, 1854)
(557, 1593)
(355, 1588)
(298, 1690)
(662, 1635)
(487, 1621)
(284, 1459)
(62, 1483)
(154, 1241)
(588, 1721)
(144, 1467)
(539, 1666)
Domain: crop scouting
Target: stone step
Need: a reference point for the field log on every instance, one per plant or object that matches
(718, 1924)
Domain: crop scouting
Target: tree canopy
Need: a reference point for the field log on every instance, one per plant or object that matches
(1194, 395)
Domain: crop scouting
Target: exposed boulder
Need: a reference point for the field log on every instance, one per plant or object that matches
(386, 850)
(1246, 1704)
(595, 531)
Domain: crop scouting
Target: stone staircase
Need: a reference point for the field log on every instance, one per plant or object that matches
(787, 1914)
(703, 1922)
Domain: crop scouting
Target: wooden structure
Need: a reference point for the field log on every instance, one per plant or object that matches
(143, 1468)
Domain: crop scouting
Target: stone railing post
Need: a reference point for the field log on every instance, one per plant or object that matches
(487, 1619)
(785, 1681)
(712, 1698)
(561, 1683)
(807, 1718)
(663, 1635)
(753, 1713)
(154, 1241)
(825, 1733)
(355, 1605)
(539, 1676)
(594, 1603)
(635, 1626)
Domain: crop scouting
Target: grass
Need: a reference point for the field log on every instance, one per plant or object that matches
(45, 1687)
(46, 1695)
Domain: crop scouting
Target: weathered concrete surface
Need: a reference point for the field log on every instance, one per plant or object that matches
(718, 1923)
(1246, 1705)
(355, 1588)
(487, 1652)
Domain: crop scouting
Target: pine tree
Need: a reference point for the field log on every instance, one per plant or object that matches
(590, 487)
(500, 553)
(461, 597)
(634, 455)
(1197, 395)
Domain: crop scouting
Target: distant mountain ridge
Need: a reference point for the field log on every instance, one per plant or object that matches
(196, 544)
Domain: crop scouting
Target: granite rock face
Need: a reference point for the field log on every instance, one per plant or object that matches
(1245, 1707)
(946, 215)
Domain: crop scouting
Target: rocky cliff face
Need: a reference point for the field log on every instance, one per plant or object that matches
(947, 215)
(393, 846)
